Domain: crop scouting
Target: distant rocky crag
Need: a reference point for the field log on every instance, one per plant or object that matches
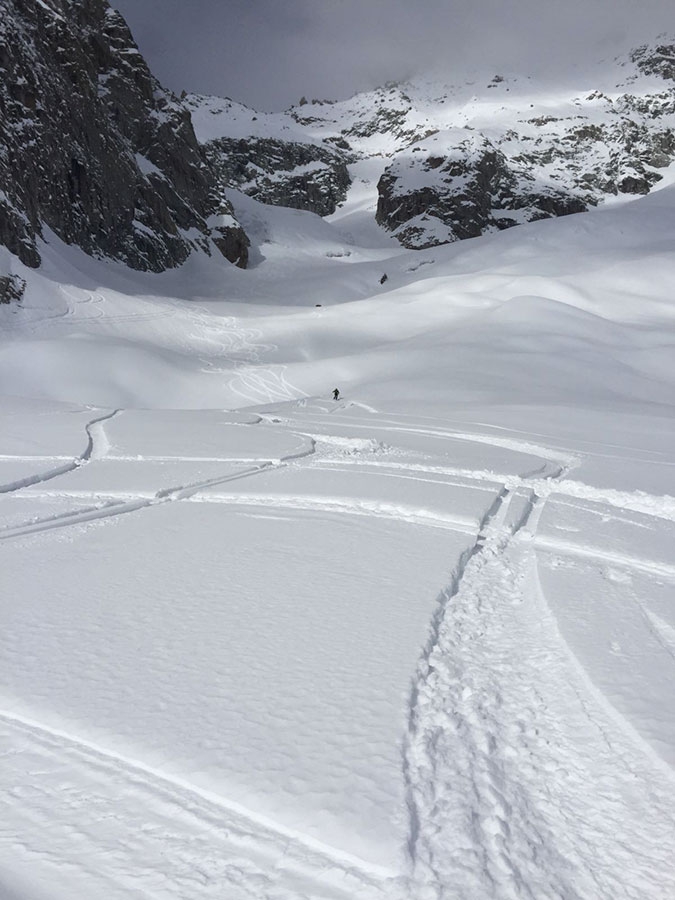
(11, 288)
(262, 156)
(462, 191)
(282, 173)
(458, 160)
(457, 182)
(93, 148)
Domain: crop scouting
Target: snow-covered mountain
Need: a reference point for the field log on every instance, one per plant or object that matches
(94, 149)
(453, 161)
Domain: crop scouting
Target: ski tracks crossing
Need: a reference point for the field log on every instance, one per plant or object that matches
(96, 448)
(89, 812)
(505, 757)
(107, 813)
(518, 784)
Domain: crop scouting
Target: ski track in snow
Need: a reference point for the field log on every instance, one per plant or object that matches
(507, 740)
(253, 383)
(549, 482)
(204, 841)
(115, 503)
(110, 508)
(639, 564)
(502, 796)
(97, 447)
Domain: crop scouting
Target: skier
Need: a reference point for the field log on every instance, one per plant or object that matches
(336, 394)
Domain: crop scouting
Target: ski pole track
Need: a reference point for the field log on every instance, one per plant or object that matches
(588, 451)
(116, 503)
(620, 560)
(560, 458)
(112, 504)
(85, 311)
(662, 631)
(404, 473)
(347, 506)
(266, 387)
(659, 507)
(110, 507)
(188, 830)
(585, 688)
(98, 448)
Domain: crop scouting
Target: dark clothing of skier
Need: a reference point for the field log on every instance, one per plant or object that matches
(336, 394)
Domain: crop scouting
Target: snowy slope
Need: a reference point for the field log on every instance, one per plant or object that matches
(414, 643)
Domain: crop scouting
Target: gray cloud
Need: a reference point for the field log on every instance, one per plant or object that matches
(269, 53)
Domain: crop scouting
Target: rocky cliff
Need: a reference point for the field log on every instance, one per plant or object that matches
(94, 149)
(282, 173)
(458, 185)
(268, 159)
(511, 153)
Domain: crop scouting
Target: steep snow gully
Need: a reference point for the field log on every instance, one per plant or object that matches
(520, 779)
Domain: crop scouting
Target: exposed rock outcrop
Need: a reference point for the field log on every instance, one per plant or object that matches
(458, 187)
(282, 173)
(459, 183)
(658, 60)
(457, 160)
(11, 288)
(93, 148)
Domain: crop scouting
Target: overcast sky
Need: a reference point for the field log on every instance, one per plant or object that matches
(269, 53)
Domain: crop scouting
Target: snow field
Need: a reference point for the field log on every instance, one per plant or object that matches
(259, 753)
(303, 669)
(417, 643)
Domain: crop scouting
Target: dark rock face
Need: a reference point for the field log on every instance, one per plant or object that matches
(460, 183)
(658, 60)
(282, 173)
(11, 288)
(92, 147)
(471, 189)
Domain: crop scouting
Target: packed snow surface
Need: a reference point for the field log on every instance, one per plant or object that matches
(415, 643)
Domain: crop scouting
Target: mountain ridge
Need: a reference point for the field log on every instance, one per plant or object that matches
(96, 150)
(490, 152)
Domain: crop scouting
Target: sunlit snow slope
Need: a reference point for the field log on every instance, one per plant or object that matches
(415, 643)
